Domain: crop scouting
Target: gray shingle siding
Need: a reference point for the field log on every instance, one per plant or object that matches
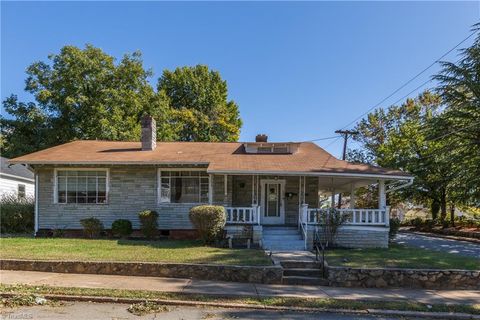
(134, 188)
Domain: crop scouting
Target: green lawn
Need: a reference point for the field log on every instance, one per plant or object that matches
(127, 250)
(398, 256)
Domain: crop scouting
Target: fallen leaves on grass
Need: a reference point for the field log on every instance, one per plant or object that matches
(142, 308)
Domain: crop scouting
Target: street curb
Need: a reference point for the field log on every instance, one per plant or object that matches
(442, 236)
(103, 299)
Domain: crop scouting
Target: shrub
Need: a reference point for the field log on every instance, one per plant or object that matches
(330, 220)
(92, 227)
(148, 223)
(16, 215)
(209, 221)
(122, 228)
(394, 226)
(417, 222)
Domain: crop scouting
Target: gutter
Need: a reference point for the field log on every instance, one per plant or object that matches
(397, 186)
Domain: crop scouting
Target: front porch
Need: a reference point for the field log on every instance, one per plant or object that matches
(256, 202)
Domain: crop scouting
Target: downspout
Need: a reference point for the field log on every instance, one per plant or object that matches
(36, 205)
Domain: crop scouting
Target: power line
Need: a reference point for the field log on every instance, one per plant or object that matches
(447, 134)
(319, 139)
(409, 81)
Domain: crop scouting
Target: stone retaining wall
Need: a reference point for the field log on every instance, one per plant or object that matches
(253, 274)
(405, 278)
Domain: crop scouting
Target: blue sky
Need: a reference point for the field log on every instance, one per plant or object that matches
(298, 71)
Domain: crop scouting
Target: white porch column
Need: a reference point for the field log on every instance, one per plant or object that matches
(210, 188)
(382, 198)
(253, 191)
(225, 187)
(352, 196)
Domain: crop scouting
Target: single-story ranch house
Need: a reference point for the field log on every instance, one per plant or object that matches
(270, 190)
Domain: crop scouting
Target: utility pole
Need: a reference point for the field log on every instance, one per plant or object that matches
(345, 134)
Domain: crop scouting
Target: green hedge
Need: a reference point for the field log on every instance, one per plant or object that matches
(148, 223)
(17, 215)
(92, 227)
(122, 228)
(209, 221)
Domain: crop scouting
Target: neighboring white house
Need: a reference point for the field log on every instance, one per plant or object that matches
(16, 179)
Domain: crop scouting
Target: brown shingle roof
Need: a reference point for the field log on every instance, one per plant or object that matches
(221, 157)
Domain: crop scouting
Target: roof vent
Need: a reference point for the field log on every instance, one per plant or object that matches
(149, 133)
(261, 138)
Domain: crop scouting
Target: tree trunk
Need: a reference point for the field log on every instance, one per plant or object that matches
(443, 205)
(435, 208)
(452, 214)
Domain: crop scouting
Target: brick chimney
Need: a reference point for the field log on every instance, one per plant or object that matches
(261, 138)
(149, 133)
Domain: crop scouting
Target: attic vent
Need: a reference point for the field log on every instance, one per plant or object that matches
(271, 148)
(280, 149)
(264, 149)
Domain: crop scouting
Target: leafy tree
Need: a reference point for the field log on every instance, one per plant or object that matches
(398, 138)
(459, 126)
(80, 94)
(28, 131)
(86, 94)
(200, 109)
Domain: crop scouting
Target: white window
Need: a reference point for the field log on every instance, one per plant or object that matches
(21, 191)
(81, 186)
(183, 186)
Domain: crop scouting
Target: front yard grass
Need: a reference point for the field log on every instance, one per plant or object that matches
(317, 303)
(175, 251)
(399, 256)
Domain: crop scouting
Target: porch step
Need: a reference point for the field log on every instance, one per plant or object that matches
(295, 264)
(284, 247)
(285, 237)
(281, 238)
(302, 272)
(296, 280)
(277, 231)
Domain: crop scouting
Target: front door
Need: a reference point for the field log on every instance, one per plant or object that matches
(272, 202)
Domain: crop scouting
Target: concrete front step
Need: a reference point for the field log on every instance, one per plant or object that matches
(305, 281)
(283, 238)
(283, 248)
(296, 264)
(280, 232)
(302, 272)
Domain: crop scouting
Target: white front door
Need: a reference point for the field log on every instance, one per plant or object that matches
(272, 201)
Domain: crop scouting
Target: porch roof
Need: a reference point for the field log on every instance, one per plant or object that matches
(219, 157)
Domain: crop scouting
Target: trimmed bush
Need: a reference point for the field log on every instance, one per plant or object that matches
(122, 228)
(148, 223)
(394, 226)
(16, 215)
(92, 227)
(209, 221)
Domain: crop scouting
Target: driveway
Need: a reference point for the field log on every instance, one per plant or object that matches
(458, 247)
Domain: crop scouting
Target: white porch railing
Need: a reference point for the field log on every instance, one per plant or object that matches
(303, 222)
(361, 217)
(243, 215)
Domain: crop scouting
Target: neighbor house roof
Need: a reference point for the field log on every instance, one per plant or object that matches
(15, 170)
(219, 157)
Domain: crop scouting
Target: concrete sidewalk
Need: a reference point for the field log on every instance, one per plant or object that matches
(234, 288)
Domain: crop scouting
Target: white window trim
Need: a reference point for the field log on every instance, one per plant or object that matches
(159, 186)
(55, 185)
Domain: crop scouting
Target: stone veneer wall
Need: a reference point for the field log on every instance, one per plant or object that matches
(404, 278)
(253, 274)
